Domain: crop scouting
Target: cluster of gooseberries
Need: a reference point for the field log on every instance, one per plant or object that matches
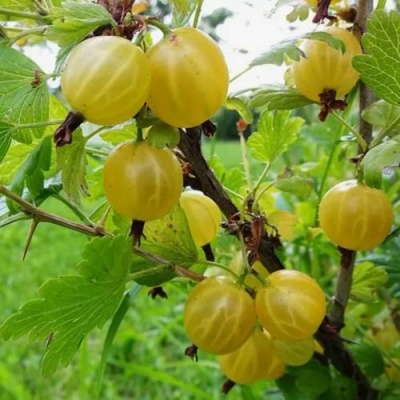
(255, 330)
(108, 80)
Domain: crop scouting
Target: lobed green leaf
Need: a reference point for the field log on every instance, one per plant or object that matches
(24, 96)
(232, 178)
(277, 97)
(275, 132)
(71, 306)
(182, 11)
(31, 172)
(288, 48)
(169, 238)
(380, 66)
(73, 21)
(239, 105)
(71, 160)
(367, 280)
(369, 358)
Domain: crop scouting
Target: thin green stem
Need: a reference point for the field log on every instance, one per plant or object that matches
(97, 209)
(162, 265)
(197, 13)
(262, 176)
(97, 152)
(27, 32)
(95, 132)
(37, 124)
(74, 209)
(362, 143)
(158, 24)
(111, 333)
(325, 175)
(116, 27)
(257, 199)
(151, 271)
(233, 193)
(22, 14)
(247, 69)
(245, 161)
(384, 132)
(218, 265)
(242, 91)
(381, 4)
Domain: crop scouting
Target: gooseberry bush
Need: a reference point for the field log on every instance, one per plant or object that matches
(287, 262)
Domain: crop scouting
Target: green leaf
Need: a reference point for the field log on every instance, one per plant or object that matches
(115, 136)
(287, 385)
(169, 238)
(73, 21)
(182, 10)
(162, 134)
(71, 160)
(369, 358)
(299, 185)
(314, 372)
(275, 132)
(5, 139)
(24, 96)
(367, 279)
(14, 158)
(30, 173)
(383, 157)
(380, 66)
(300, 11)
(288, 48)
(342, 387)
(237, 104)
(71, 306)
(383, 115)
(278, 52)
(328, 39)
(277, 97)
(232, 178)
(16, 5)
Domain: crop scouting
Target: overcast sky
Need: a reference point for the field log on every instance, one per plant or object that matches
(251, 31)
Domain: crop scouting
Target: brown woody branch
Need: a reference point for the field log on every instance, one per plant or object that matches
(190, 145)
(39, 215)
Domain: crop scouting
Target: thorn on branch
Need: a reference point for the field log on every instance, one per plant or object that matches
(31, 232)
